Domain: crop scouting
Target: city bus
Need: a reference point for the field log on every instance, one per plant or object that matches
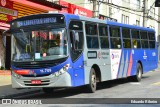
(54, 50)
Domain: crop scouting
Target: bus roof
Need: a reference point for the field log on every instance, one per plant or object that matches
(129, 26)
(72, 16)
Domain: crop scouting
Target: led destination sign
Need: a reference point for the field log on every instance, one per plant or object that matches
(37, 21)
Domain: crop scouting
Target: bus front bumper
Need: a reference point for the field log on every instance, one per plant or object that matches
(63, 80)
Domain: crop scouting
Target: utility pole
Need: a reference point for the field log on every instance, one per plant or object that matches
(95, 8)
(144, 14)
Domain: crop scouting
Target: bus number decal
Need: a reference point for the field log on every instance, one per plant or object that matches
(45, 70)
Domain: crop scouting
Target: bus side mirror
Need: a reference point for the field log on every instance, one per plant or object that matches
(6, 33)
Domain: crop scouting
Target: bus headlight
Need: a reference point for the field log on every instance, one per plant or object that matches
(16, 75)
(62, 70)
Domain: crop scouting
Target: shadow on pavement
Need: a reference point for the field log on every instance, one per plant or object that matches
(67, 92)
(7, 91)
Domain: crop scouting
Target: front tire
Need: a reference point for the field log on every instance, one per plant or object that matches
(92, 81)
(138, 76)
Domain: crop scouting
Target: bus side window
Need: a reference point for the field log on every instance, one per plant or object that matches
(103, 35)
(92, 35)
(76, 40)
(115, 37)
(151, 36)
(136, 42)
(126, 37)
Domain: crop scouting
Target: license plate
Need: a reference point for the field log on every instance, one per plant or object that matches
(36, 82)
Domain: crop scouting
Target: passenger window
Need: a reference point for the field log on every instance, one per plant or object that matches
(151, 36)
(115, 37)
(91, 35)
(91, 29)
(103, 34)
(126, 38)
(136, 43)
(144, 39)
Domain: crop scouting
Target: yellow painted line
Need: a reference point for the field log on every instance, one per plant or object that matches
(156, 83)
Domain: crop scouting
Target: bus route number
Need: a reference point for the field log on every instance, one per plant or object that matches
(45, 70)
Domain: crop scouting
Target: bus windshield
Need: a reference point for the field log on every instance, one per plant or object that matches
(39, 45)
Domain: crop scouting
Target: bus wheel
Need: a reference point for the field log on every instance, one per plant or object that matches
(138, 76)
(92, 81)
(47, 90)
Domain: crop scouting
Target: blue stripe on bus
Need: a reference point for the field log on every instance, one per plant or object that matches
(121, 64)
(126, 62)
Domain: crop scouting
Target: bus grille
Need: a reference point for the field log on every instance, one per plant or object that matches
(38, 64)
(36, 75)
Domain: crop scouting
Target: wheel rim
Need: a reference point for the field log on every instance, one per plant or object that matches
(93, 81)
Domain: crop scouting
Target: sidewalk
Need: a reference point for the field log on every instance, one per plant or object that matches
(5, 78)
(6, 90)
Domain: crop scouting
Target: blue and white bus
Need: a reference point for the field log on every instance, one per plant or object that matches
(65, 50)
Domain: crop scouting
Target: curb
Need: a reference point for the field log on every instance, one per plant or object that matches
(19, 94)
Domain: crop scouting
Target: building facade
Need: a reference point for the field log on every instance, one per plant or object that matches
(125, 11)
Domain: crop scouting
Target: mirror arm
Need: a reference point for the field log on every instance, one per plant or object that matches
(6, 33)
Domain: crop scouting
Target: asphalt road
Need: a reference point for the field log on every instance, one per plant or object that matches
(115, 91)
(149, 87)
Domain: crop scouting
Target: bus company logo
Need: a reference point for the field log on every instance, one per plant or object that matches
(35, 74)
(115, 56)
(145, 55)
(112, 56)
(31, 72)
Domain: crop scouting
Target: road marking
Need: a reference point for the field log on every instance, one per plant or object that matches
(156, 83)
(135, 83)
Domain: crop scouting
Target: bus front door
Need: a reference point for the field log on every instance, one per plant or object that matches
(76, 49)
